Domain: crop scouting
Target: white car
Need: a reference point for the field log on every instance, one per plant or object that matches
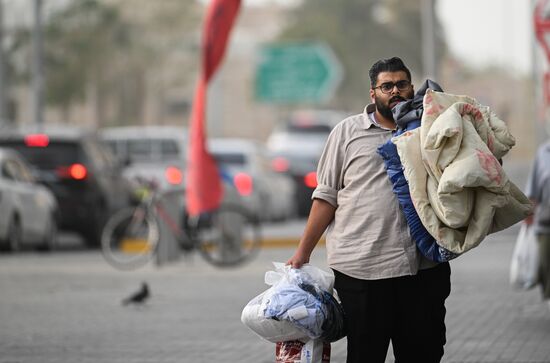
(296, 146)
(29, 210)
(154, 153)
(268, 194)
(305, 132)
(158, 154)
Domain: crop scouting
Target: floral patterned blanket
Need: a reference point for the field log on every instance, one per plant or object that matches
(457, 185)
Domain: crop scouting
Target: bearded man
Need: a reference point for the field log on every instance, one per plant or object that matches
(388, 290)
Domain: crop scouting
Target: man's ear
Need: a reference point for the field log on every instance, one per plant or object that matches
(371, 95)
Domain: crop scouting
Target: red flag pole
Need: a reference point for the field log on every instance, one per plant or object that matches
(204, 190)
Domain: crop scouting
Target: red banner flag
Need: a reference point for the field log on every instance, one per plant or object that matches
(204, 189)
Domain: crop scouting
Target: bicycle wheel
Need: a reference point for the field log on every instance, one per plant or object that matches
(228, 236)
(130, 238)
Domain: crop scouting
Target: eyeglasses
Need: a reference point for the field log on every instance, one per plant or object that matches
(387, 87)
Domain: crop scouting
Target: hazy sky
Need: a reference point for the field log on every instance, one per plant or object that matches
(479, 32)
(482, 32)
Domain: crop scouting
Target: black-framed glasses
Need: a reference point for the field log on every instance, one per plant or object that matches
(387, 87)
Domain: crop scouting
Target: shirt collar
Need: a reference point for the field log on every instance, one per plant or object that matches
(367, 122)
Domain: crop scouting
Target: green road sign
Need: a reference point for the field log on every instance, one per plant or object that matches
(294, 73)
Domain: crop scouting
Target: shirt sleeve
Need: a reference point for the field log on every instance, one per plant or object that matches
(329, 169)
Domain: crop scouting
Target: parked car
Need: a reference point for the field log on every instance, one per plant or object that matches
(154, 153)
(295, 148)
(246, 163)
(29, 210)
(157, 154)
(83, 176)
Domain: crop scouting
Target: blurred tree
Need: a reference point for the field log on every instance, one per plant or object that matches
(111, 53)
(88, 49)
(361, 32)
(170, 32)
(14, 41)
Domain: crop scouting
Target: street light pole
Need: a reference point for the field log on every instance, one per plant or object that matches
(541, 17)
(37, 75)
(428, 39)
(2, 67)
(537, 76)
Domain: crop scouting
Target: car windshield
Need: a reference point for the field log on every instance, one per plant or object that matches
(50, 157)
(140, 149)
(230, 159)
(306, 145)
(308, 129)
(146, 149)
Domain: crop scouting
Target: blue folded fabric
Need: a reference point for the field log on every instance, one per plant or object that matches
(408, 115)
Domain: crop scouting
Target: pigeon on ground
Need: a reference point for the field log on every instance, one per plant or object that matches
(138, 297)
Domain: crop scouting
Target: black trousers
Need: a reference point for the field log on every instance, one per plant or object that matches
(409, 311)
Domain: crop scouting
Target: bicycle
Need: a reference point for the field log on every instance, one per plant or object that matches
(228, 236)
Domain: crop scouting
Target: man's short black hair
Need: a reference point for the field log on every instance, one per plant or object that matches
(394, 64)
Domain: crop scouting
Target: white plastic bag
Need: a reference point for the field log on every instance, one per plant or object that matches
(323, 279)
(295, 297)
(524, 267)
(271, 330)
(295, 323)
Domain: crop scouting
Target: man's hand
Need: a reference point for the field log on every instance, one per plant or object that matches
(530, 219)
(298, 259)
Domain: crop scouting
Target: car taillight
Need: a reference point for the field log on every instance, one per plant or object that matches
(37, 140)
(310, 179)
(74, 171)
(279, 164)
(243, 183)
(173, 175)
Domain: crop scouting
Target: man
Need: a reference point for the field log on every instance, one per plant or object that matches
(388, 291)
(538, 190)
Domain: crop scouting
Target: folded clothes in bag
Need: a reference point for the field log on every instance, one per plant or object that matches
(267, 328)
(299, 305)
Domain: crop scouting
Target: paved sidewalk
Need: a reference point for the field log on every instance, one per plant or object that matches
(487, 320)
(65, 307)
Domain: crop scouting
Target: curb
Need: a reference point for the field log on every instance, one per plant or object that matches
(284, 242)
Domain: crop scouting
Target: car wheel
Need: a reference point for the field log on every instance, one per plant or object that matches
(266, 210)
(50, 239)
(13, 239)
(92, 238)
(92, 232)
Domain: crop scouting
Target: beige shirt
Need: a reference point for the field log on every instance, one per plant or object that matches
(369, 237)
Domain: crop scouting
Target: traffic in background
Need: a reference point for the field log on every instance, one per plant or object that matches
(83, 176)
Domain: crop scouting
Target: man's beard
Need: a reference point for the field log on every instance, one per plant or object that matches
(384, 109)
